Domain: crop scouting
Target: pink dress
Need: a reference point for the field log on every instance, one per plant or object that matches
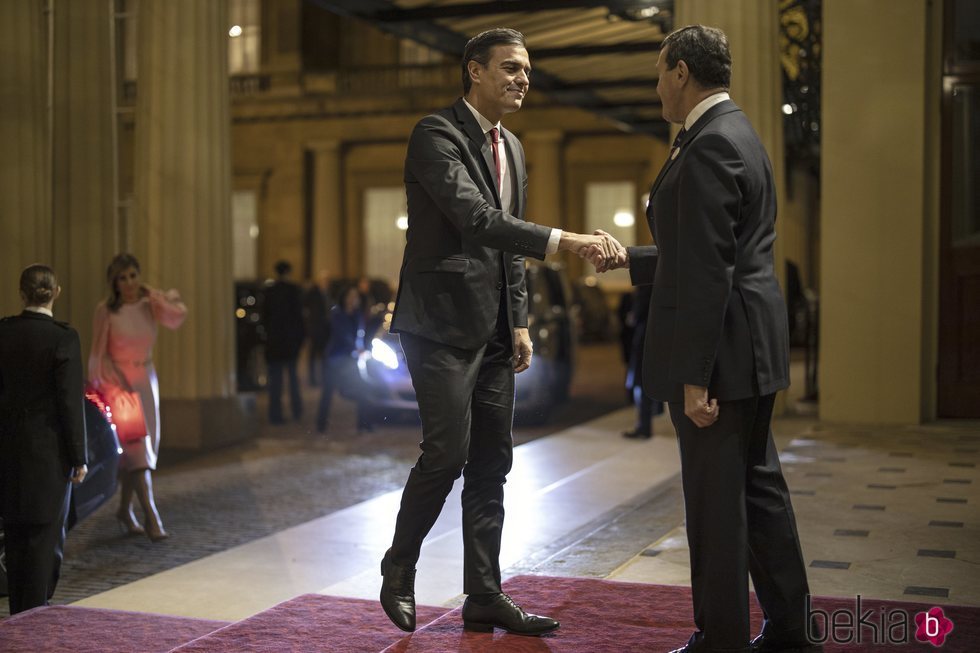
(122, 349)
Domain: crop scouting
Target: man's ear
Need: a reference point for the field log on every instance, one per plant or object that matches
(683, 74)
(57, 293)
(474, 68)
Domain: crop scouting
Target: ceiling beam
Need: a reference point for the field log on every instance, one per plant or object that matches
(475, 9)
(646, 83)
(634, 47)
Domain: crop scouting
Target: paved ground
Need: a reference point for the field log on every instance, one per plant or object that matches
(287, 476)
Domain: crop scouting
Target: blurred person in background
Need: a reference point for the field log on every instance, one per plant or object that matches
(316, 304)
(121, 367)
(646, 407)
(42, 438)
(282, 314)
(340, 360)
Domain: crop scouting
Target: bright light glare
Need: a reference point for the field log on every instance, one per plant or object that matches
(788, 109)
(384, 354)
(402, 222)
(236, 30)
(624, 218)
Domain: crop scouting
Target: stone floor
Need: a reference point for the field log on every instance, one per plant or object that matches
(885, 512)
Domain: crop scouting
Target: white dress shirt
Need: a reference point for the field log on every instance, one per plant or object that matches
(701, 107)
(39, 309)
(506, 188)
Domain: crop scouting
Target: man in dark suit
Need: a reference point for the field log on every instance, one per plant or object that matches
(717, 350)
(282, 315)
(42, 438)
(461, 311)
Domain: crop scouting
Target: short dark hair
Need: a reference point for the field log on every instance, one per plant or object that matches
(38, 284)
(283, 267)
(478, 49)
(705, 51)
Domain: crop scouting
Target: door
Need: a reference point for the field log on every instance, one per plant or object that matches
(959, 308)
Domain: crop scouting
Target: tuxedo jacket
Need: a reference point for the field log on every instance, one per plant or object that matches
(717, 315)
(464, 250)
(42, 424)
(282, 314)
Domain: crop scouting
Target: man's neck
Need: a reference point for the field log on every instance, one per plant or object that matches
(492, 116)
(697, 98)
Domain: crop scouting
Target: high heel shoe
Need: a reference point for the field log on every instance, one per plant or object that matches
(128, 524)
(154, 531)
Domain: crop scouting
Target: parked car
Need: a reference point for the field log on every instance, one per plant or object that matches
(594, 316)
(383, 370)
(103, 464)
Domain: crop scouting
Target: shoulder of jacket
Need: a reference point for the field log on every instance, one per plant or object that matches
(63, 325)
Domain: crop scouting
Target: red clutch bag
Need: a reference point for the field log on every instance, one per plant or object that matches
(127, 413)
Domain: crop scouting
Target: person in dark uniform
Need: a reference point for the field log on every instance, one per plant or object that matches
(340, 360)
(42, 438)
(316, 305)
(646, 407)
(283, 318)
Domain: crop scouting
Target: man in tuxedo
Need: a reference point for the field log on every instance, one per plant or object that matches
(42, 438)
(717, 350)
(282, 314)
(461, 311)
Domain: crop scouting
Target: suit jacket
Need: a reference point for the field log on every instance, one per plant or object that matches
(717, 316)
(462, 246)
(42, 424)
(282, 313)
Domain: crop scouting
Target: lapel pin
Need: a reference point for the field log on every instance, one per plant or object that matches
(673, 155)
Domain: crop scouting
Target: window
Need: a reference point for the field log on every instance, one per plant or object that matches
(385, 221)
(244, 33)
(611, 206)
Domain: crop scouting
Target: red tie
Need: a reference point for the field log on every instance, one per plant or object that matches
(495, 143)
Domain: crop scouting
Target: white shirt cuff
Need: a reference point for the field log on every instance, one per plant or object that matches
(553, 241)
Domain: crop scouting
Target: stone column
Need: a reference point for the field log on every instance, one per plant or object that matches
(25, 180)
(543, 152)
(84, 235)
(182, 225)
(328, 208)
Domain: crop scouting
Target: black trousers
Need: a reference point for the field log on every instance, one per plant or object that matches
(739, 521)
(34, 554)
(276, 369)
(466, 400)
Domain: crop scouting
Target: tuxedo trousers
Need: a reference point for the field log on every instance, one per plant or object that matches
(34, 553)
(466, 401)
(739, 521)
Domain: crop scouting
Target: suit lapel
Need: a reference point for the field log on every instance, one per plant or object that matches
(475, 133)
(516, 169)
(717, 110)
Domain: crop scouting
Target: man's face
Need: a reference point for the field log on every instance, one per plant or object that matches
(669, 88)
(505, 80)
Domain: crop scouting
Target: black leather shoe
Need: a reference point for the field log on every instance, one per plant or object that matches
(767, 643)
(504, 613)
(693, 644)
(398, 593)
(637, 434)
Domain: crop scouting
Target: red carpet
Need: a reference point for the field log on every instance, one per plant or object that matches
(66, 629)
(310, 623)
(606, 616)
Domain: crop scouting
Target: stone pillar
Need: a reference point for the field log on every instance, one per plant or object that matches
(876, 208)
(25, 180)
(543, 152)
(182, 231)
(84, 235)
(328, 208)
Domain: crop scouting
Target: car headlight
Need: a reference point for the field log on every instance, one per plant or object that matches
(382, 352)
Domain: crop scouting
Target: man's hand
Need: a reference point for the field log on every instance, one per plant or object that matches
(580, 244)
(697, 407)
(78, 474)
(522, 350)
(603, 262)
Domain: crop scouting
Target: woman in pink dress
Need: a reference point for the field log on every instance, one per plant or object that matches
(122, 348)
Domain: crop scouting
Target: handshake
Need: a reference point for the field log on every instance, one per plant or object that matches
(600, 249)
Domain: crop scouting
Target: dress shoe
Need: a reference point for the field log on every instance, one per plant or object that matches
(128, 523)
(502, 612)
(398, 593)
(637, 434)
(768, 643)
(694, 644)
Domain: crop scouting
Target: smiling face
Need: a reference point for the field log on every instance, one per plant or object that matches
(500, 86)
(128, 285)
